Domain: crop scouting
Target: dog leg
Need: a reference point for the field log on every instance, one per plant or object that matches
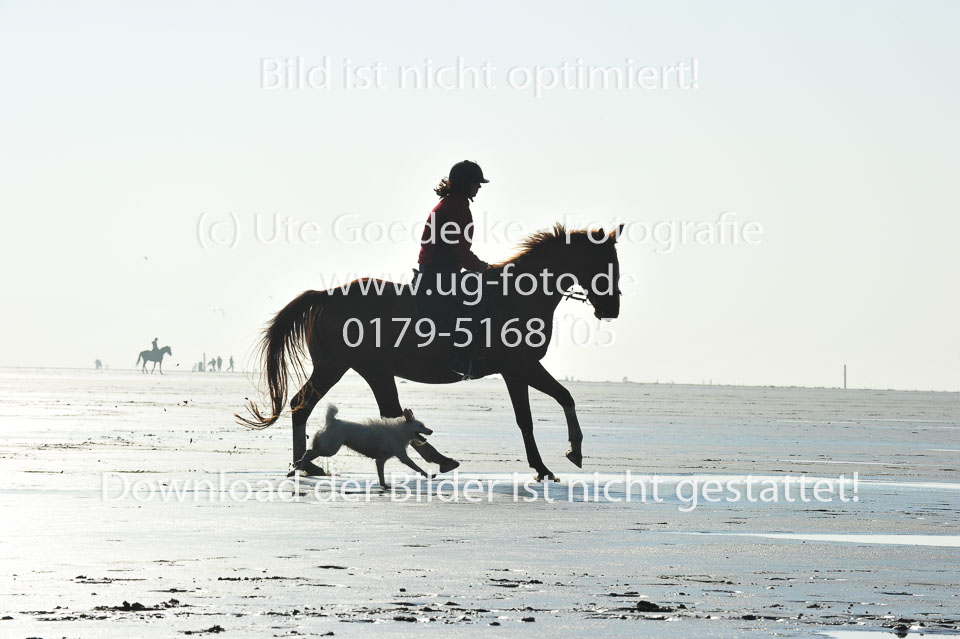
(384, 387)
(305, 463)
(412, 464)
(383, 482)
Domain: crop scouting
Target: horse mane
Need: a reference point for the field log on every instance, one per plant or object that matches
(543, 240)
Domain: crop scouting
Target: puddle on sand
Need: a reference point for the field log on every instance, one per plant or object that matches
(943, 541)
(886, 634)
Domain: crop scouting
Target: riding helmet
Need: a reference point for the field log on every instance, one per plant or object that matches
(466, 172)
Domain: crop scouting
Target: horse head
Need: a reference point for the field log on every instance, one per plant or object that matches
(598, 272)
(166, 349)
(588, 257)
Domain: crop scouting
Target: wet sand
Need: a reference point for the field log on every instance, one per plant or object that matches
(77, 564)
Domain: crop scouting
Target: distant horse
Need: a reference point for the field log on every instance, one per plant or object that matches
(155, 356)
(325, 321)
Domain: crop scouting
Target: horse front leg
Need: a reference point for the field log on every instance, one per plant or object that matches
(520, 398)
(544, 382)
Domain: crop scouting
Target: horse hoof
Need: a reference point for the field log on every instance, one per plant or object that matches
(545, 476)
(575, 457)
(449, 465)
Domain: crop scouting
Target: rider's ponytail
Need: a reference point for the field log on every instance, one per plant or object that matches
(446, 187)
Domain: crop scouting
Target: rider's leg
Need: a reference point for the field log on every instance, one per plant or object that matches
(474, 306)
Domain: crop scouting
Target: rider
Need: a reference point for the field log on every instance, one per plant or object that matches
(446, 248)
(155, 348)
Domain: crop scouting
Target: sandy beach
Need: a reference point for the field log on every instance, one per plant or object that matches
(692, 225)
(133, 505)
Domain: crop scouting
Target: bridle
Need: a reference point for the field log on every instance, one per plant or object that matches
(579, 296)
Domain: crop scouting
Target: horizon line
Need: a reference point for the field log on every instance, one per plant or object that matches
(560, 379)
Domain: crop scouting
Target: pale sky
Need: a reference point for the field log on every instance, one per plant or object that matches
(125, 128)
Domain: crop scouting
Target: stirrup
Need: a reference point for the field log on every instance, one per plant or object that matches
(464, 377)
(462, 368)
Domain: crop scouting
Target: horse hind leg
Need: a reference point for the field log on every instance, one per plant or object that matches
(303, 403)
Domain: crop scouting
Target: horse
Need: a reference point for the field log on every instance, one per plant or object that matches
(155, 356)
(323, 324)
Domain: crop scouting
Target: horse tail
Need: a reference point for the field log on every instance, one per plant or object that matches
(283, 344)
(138, 358)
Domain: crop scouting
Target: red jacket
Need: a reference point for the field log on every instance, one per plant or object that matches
(444, 244)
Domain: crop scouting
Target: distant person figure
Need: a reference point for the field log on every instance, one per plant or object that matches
(201, 368)
(219, 363)
(230, 368)
(193, 369)
(98, 364)
(445, 248)
(212, 365)
(155, 349)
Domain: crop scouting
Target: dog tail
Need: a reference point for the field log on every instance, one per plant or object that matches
(282, 345)
(331, 414)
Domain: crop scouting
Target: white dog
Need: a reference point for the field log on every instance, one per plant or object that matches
(379, 439)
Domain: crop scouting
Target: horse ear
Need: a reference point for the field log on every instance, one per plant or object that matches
(408, 414)
(615, 234)
(597, 236)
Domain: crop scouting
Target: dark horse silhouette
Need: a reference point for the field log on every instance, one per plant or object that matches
(317, 319)
(155, 356)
